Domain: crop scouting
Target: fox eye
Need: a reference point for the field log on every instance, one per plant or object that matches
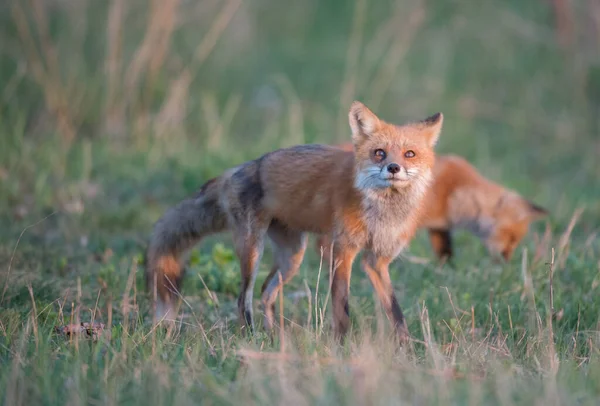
(409, 154)
(379, 155)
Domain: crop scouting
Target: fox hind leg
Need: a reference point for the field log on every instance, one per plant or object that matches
(272, 272)
(249, 243)
(441, 242)
(289, 247)
(280, 237)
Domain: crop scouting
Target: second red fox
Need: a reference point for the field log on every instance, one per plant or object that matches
(368, 199)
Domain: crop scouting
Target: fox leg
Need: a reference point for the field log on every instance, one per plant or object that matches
(289, 247)
(441, 242)
(272, 272)
(277, 235)
(340, 288)
(249, 243)
(377, 269)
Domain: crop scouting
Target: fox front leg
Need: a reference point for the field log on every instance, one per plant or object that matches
(340, 290)
(377, 269)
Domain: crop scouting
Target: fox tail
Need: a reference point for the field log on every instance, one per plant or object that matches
(177, 231)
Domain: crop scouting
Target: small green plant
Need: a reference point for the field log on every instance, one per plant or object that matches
(219, 270)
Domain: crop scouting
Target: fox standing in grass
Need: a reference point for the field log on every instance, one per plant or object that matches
(366, 199)
(461, 198)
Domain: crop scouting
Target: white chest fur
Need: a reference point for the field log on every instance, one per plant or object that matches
(387, 222)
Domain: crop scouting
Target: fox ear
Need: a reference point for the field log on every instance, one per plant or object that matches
(432, 127)
(363, 121)
(535, 212)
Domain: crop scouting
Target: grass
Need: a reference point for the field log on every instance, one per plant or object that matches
(113, 111)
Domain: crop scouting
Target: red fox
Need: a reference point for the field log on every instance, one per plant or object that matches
(366, 199)
(461, 198)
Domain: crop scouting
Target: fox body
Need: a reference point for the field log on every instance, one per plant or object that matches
(461, 198)
(367, 198)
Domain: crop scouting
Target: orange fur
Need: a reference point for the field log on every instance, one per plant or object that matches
(460, 197)
(367, 200)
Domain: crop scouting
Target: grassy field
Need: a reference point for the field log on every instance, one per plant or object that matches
(111, 111)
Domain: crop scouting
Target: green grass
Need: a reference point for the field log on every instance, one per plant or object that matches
(99, 136)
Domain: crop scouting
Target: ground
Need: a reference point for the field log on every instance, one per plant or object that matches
(101, 133)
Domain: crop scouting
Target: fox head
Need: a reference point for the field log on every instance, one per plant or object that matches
(389, 156)
(511, 218)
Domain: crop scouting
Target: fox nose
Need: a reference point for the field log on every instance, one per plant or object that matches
(393, 168)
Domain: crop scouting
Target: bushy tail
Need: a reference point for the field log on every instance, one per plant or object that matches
(178, 230)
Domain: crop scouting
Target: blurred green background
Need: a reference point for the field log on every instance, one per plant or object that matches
(184, 87)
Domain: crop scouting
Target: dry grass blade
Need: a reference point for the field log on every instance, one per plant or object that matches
(12, 392)
(317, 295)
(309, 297)
(12, 257)
(174, 110)
(281, 318)
(295, 135)
(542, 244)
(47, 48)
(125, 305)
(114, 113)
(218, 123)
(529, 292)
(563, 242)
(428, 338)
(199, 324)
(550, 321)
(564, 22)
(400, 46)
(34, 317)
(151, 54)
(44, 68)
(352, 59)
(457, 318)
(216, 31)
